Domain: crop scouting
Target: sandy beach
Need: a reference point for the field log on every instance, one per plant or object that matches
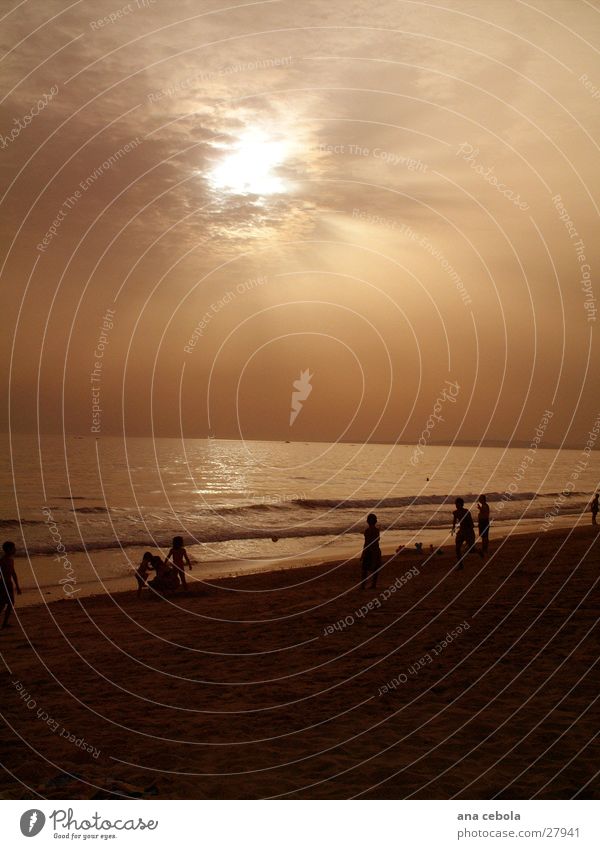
(480, 683)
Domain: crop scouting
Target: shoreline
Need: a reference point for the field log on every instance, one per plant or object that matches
(341, 551)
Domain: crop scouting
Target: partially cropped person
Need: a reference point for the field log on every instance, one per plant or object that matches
(8, 581)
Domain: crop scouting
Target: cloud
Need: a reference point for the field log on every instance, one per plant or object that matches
(373, 104)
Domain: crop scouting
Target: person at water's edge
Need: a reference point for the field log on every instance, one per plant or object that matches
(465, 533)
(371, 553)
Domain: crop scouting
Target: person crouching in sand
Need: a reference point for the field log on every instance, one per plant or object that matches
(167, 578)
(371, 553)
(180, 558)
(466, 531)
(8, 581)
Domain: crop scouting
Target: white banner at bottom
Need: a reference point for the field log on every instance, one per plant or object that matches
(302, 824)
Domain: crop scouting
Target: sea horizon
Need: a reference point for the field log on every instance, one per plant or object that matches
(456, 443)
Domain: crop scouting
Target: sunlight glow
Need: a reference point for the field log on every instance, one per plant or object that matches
(248, 169)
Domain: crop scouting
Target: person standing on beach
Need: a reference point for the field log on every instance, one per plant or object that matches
(180, 558)
(483, 523)
(371, 553)
(466, 530)
(8, 581)
(594, 508)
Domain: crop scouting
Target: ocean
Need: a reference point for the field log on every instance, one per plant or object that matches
(86, 507)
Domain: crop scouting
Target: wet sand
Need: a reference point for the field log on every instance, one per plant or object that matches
(46, 578)
(480, 683)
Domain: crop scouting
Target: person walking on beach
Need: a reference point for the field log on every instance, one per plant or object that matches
(371, 553)
(180, 558)
(594, 508)
(466, 530)
(483, 523)
(8, 581)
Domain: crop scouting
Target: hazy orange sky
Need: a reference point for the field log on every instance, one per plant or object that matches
(391, 195)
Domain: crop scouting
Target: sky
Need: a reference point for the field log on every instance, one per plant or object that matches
(208, 207)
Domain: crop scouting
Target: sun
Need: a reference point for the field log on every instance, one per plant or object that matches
(250, 167)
